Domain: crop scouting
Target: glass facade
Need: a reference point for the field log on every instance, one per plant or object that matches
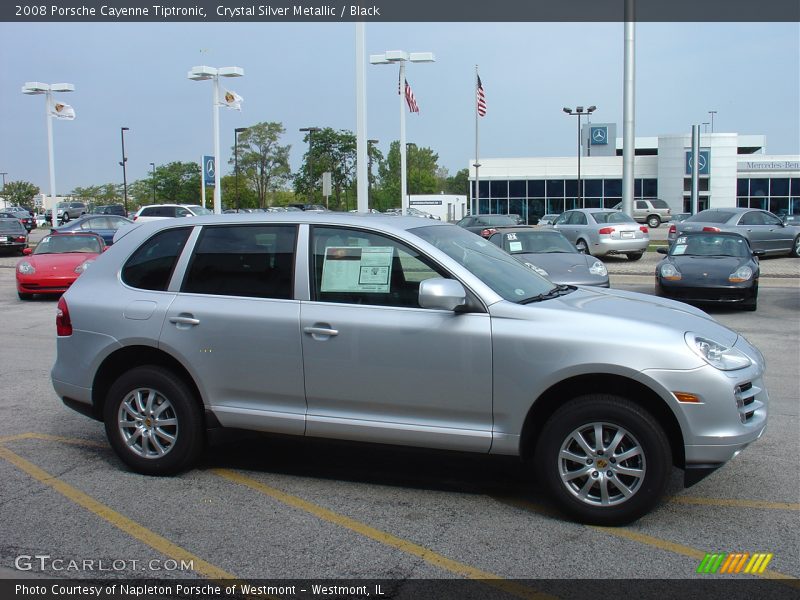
(779, 195)
(532, 198)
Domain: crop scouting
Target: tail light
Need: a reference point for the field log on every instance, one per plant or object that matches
(606, 231)
(672, 229)
(20, 238)
(488, 232)
(134, 217)
(711, 229)
(643, 229)
(63, 322)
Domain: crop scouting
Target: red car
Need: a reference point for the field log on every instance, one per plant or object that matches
(56, 263)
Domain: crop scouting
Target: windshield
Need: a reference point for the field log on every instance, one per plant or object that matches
(710, 245)
(711, 216)
(495, 220)
(62, 244)
(199, 210)
(509, 278)
(536, 242)
(612, 216)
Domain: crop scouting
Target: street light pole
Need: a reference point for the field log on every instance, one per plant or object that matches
(408, 192)
(579, 112)
(311, 131)
(153, 172)
(400, 57)
(236, 133)
(122, 164)
(202, 73)
(33, 88)
(712, 113)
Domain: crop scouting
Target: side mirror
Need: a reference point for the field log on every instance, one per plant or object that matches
(662, 250)
(444, 294)
(759, 253)
(27, 252)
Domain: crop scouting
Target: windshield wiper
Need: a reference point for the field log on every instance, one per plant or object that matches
(559, 290)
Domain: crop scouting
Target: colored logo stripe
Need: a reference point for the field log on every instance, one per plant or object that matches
(723, 562)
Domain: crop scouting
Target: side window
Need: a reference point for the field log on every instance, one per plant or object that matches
(357, 267)
(255, 261)
(751, 218)
(577, 218)
(641, 205)
(179, 211)
(151, 266)
(770, 219)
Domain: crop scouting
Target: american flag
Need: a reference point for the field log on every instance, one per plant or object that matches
(410, 100)
(481, 99)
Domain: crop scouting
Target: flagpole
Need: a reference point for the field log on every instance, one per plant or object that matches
(476, 198)
(50, 154)
(217, 194)
(403, 198)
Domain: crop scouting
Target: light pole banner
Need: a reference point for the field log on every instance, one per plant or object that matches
(209, 168)
(59, 110)
(231, 100)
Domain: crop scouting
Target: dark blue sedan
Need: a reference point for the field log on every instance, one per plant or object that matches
(710, 267)
(103, 225)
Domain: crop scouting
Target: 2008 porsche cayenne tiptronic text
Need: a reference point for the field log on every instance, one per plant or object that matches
(399, 330)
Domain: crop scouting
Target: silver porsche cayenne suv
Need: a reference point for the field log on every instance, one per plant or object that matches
(399, 330)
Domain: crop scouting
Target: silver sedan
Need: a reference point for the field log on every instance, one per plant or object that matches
(603, 231)
(762, 229)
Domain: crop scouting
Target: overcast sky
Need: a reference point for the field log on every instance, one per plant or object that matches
(303, 74)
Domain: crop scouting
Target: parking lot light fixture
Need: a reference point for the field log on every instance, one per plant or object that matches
(579, 111)
(33, 88)
(202, 73)
(153, 174)
(122, 163)
(400, 57)
(236, 133)
(311, 131)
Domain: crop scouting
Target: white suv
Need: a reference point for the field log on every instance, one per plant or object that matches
(154, 212)
(653, 212)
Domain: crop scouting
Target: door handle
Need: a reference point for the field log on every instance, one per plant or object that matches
(184, 320)
(324, 332)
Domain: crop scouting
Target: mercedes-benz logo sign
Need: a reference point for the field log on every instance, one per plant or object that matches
(210, 167)
(599, 135)
(701, 164)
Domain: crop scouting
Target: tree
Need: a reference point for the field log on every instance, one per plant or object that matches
(176, 183)
(330, 151)
(19, 193)
(458, 183)
(263, 162)
(421, 173)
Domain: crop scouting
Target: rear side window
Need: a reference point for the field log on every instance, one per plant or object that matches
(151, 266)
(659, 204)
(254, 261)
(711, 216)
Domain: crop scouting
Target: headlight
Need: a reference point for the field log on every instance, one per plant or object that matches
(670, 272)
(539, 270)
(717, 355)
(26, 268)
(598, 268)
(83, 266)
(741, 274)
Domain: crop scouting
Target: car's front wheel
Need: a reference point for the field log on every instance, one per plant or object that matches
(604, 459)
(796, 247)
(582, 247)
(153, 421)
(24, 296)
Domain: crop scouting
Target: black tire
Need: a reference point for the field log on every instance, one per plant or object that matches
(23, 296)
(615, 414)
(752, 303)
(151, 452)
(634, 255)
(795, 248)
(654, 221)
(583, 247)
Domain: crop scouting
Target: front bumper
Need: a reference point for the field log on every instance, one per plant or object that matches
(712, 294)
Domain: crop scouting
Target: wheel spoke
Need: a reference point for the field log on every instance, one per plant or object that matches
(612, 447)
(131, 441)
(130, 411)
(584, 493)
(638, 473)
(164, 435)
(626, 491)
(598, 437)
(572, 457)
(603, 491)
(570, 475)
(628, 454)
(578, 437)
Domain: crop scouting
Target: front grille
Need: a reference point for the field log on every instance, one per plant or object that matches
(746, 403)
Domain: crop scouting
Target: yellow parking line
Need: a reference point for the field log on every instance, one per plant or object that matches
(383, 537)
(734, 503)
(152, 539)
(655, 542)
(31, 435)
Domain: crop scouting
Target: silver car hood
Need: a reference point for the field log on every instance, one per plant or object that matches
(608, 310)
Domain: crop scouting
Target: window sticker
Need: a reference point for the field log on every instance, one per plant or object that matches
(511, 236)
(515, 247)
(679, 249)
(357, 269)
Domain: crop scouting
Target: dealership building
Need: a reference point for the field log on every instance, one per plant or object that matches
(734, 170)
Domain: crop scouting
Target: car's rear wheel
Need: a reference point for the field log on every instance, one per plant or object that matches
(654, 221)
(582, 247)
(796, 247)
(634, 255)
(24, 296)
(604, 459)
(153, 421)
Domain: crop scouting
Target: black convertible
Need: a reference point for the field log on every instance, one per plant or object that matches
(710, 267)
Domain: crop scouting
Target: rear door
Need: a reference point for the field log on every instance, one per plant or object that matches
(234, 325)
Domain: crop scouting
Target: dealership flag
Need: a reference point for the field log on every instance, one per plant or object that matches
(59, 110)
(231, 100)
(410, 100)
(481, 99)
